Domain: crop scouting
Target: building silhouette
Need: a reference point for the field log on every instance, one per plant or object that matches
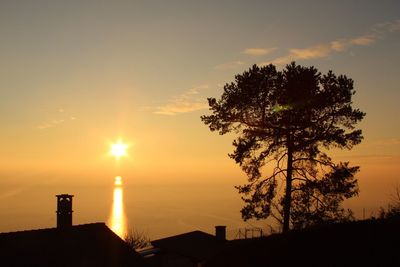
(67, 245)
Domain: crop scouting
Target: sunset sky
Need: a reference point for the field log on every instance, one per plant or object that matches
(76, 76)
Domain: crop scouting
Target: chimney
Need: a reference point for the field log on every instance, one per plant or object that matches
(220, 232)
(64, 211)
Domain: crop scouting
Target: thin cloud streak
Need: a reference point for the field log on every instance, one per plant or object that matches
(54, 122)
(339, 45)
(188, 101)
(364, 40)
(310, 53)
(377, 32)
(388, 142)
(248, 51)
(258, 51)
(368, 156)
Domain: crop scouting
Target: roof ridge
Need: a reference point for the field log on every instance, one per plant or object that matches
(183, 234)
(53, 228)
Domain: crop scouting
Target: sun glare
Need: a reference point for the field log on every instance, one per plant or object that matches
(118, 149)
(118, 181)
(117, 220)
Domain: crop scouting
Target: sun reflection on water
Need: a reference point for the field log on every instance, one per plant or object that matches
(117, 221)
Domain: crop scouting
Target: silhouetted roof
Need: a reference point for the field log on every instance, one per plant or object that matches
(81, 245)
(196, 245)
(361, 243)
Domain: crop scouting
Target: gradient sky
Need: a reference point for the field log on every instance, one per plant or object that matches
(77, 75)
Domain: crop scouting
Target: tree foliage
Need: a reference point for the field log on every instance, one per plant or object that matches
(318, 201)
(393, 209)
(137, 240)
(289, 118)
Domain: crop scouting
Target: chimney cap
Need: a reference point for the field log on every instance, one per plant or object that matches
(64, 195)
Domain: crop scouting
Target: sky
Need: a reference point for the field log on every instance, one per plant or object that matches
(75, 76)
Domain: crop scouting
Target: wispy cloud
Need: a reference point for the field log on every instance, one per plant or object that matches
(189, 101)
(258, 51)
(339, 45)
(229, 65)
(60, 118)
(318, 51)
(388, 142)
(377, 32)
(366, 156)
(386, 27)
(364, 40)
(310, 53)
(247, 51)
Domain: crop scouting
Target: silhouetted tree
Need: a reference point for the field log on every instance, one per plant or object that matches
(319, 201)
(393, 209)
(290, 117)
(137, 239)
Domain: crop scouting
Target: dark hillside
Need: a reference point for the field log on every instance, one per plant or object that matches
(361, 243)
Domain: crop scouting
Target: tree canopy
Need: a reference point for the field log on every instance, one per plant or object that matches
(290, 118)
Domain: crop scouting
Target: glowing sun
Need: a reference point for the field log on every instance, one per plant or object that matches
(118, 149)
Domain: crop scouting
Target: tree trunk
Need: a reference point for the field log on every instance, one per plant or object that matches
(288, 191)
